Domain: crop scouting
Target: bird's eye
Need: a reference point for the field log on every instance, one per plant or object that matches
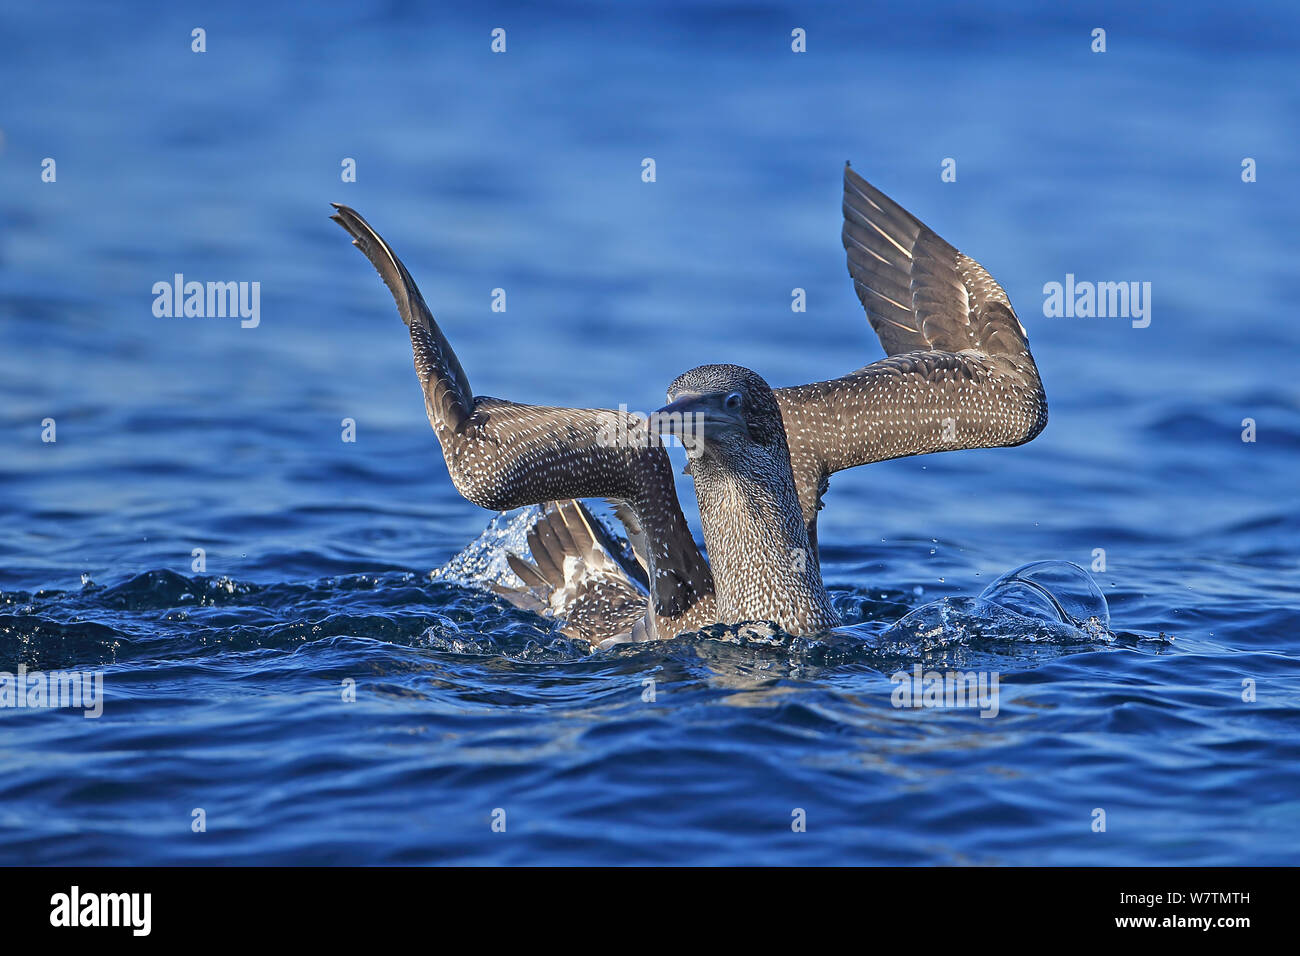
(733, 401)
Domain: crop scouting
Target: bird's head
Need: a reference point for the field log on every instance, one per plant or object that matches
(722, 410)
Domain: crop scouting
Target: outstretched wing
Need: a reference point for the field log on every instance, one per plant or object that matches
(918, 291)
(959, 372)
(447, 395)
(503, 455)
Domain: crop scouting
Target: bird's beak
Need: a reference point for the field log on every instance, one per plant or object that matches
(684, 417)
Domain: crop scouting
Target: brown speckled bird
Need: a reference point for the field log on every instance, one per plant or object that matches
(959, 374)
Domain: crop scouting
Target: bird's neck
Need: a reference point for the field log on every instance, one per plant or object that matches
(764, 568)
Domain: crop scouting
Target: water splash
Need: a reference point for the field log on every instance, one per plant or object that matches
(1048, 602)
(482, 562)
(1044, 601)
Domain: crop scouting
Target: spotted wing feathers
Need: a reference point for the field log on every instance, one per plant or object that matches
(959, 372)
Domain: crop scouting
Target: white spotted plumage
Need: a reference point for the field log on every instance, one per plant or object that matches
(959, 374)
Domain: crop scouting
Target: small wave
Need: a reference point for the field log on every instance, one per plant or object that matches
(157, 590)
(40, 642)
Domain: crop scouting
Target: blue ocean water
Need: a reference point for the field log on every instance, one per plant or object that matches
(522, 171)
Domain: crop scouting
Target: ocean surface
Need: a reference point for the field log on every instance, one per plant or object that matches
(477, 735)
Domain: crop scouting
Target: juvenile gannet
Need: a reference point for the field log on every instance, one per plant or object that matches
(959, 374)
